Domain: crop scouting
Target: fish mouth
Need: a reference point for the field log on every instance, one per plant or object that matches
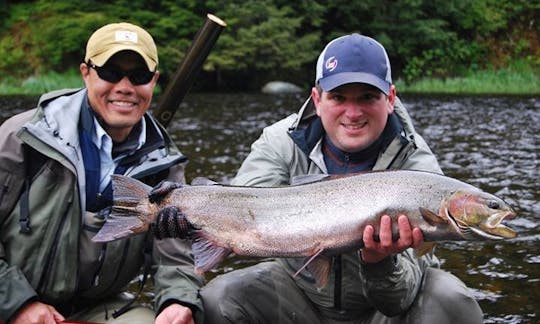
(492, 228)
(495, 227)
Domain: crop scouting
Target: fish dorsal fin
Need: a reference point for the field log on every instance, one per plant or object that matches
(310, 178)
(319, 265)
(202, 181)
(207, 254)
(430, 217)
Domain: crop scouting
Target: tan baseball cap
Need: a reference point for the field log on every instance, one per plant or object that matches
(113, 38)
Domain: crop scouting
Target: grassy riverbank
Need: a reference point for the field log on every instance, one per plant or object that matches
(520, 79)
(37, 85)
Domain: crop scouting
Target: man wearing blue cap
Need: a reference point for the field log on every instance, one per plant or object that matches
(352, 122)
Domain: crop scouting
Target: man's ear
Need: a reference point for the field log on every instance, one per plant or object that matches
(391, 99)
(156, 76)
(84, 69)
(316, 97)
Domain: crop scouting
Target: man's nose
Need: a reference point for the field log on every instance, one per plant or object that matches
(353, 109)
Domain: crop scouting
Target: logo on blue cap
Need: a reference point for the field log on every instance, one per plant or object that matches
(331, 64)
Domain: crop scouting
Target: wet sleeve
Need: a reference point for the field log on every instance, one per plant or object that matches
(15, 290)
(175, 280)
(392, 284)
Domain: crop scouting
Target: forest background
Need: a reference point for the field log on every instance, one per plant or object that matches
(269, 40)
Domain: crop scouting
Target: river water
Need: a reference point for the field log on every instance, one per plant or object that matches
(490, 142)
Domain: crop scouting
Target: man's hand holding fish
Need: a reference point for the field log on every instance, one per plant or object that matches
(376, 250)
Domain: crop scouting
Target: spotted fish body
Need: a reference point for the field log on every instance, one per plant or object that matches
(321, 217)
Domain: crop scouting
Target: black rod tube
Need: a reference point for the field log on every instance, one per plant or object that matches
(192, 63)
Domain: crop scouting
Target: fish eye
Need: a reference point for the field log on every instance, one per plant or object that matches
(493, 204)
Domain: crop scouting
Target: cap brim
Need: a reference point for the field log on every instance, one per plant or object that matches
(102, 58)
(331, 82)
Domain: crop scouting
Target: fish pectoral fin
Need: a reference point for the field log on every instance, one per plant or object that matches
(319, 266)
(424, 249)
(207, 254)
(430, 217)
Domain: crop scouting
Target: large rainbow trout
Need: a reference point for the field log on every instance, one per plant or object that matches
(314, 219)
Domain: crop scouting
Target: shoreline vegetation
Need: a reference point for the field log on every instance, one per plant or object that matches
(520, 79)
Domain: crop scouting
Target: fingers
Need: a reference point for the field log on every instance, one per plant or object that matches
(385, 232)
(36, 312)
(418, 237)
(388, 243)
(161, 190)
(405, 233)
(176, 314)
(374, 250)
(57, 316)
(409, 236)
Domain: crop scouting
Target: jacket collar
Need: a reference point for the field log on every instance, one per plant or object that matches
(154, 138)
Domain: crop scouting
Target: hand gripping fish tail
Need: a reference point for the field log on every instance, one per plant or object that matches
(131, 210)
(138, 208)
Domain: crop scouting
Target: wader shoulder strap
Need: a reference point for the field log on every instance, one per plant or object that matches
(33, 162)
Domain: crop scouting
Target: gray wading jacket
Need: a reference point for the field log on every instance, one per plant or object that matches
(55, 262)
(292, 147)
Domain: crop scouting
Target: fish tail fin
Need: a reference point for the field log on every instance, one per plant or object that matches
(131, 211)
(207, 254)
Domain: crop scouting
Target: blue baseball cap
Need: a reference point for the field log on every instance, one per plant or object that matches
(354, 59)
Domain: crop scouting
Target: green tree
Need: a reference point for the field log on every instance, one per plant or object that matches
(263, 41)
(279, 39)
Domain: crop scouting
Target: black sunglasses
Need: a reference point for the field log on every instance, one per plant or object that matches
(136, 77)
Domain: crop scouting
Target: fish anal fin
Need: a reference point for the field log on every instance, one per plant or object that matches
(319, 265)
(206, 253)
(430, 217)
(425, 248)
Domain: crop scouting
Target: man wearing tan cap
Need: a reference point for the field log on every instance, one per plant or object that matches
(56, 163)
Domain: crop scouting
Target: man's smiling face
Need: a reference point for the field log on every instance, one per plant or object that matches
(121, 105)
(353, 115)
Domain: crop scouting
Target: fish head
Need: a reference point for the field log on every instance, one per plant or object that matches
(478, 215)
